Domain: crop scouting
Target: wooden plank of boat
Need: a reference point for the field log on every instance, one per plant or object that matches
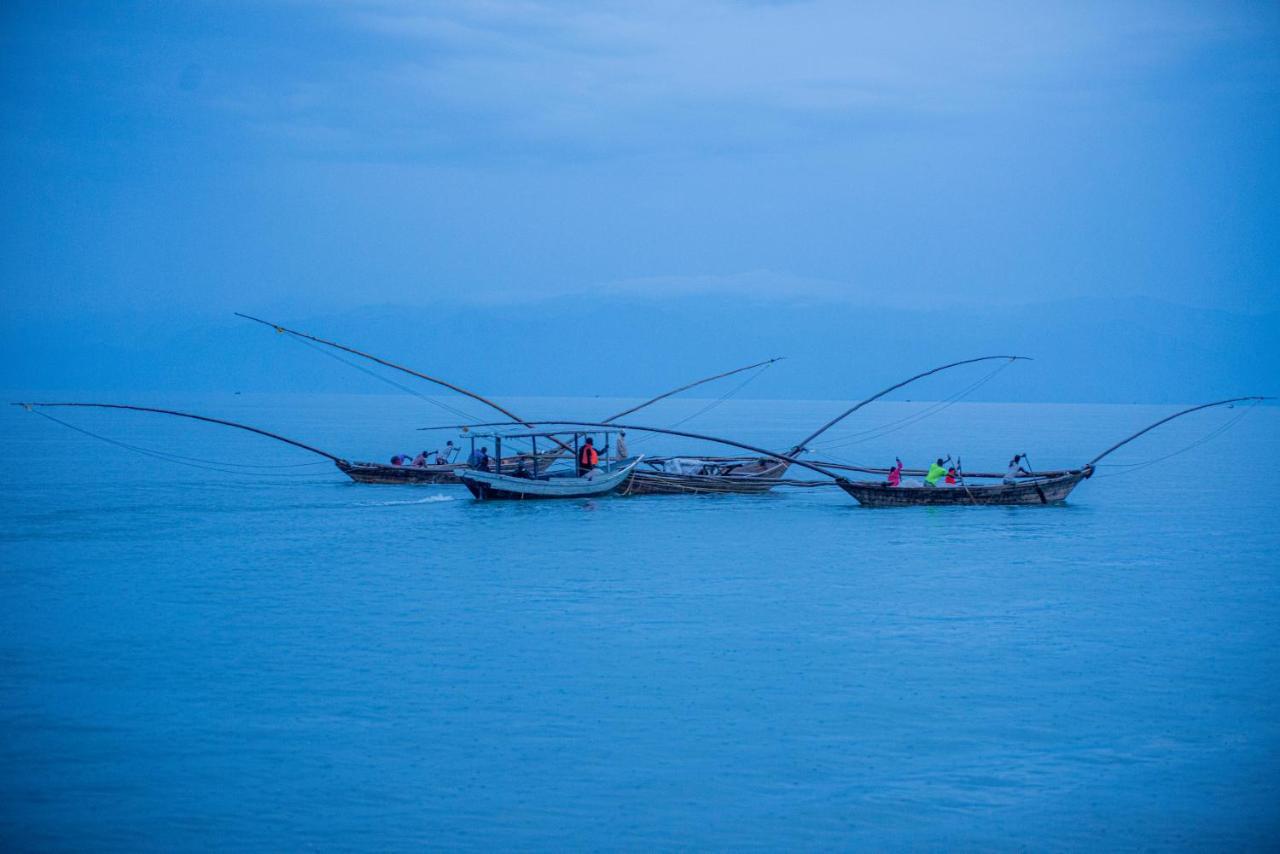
(491, 486)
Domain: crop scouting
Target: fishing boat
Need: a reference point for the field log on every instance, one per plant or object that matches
(490, 486)
(564, 479)
(1049, 488)
(698, 475)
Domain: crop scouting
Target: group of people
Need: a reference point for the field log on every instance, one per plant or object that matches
(442, 457)
(939, 471)
(587, 459)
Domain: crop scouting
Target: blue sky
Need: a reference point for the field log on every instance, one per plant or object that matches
(277, 156)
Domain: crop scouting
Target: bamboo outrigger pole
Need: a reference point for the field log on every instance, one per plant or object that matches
(799, 447)
(471, 394)
(516, 418)
(688, 386)
(268, 434)
(1148, 429)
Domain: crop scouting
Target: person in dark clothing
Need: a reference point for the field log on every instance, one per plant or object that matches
(588, 456)
(480, 459)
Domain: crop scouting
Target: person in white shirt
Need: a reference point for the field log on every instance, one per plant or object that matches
(446, 456)
(1015, 469)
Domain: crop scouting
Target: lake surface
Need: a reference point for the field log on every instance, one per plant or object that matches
(278, 658)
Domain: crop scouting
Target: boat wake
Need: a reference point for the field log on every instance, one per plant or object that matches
(430, 499)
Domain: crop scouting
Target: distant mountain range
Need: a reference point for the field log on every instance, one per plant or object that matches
(1123, 350)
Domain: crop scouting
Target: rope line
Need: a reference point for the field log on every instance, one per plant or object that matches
(710, 406)
(713, 404)
(377, 376)
(1130, 468)
(891, 427)
(178, 459)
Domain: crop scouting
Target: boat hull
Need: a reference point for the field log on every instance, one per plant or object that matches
(1033, 492)
(364, 472)
(383, 473)
(489, 486)
(670, 483)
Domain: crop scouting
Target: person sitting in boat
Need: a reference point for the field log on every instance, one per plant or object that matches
(951, 477)
(1015, 469)
(420, 461)
(895, 473)
(445, 456)
(400, 460)
(588, 456)
(480, 459)
(522, 471)
(936, 473)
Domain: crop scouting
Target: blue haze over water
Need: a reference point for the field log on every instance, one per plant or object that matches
(197, 659)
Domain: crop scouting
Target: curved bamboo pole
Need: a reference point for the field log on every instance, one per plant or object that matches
(191, 415)
(799, 447)
(459, 389)
(688, 386)
(1148, 429)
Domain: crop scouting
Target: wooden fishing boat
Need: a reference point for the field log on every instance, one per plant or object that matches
(1036, 490)
(706, 475)
(365, 472)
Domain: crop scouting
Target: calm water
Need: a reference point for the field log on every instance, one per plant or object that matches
(194, 659)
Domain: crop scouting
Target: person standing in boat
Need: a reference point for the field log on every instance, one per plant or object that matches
(1015, 470)
(622, 445)
(895, 473)
(480, 459)
(936, 473)
(588, 456)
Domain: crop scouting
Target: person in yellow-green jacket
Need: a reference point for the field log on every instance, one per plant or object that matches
(936, 473)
